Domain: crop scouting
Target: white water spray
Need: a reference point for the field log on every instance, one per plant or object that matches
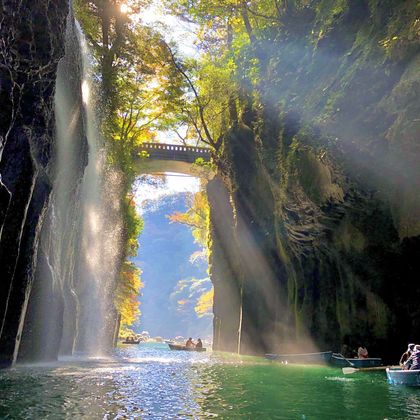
(101, 228)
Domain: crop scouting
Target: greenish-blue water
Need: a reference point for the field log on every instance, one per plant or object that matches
(149, 381)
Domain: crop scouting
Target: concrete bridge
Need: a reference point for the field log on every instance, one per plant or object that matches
(170, 158)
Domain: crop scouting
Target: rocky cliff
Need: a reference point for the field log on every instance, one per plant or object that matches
(323, 172)
(32, 35)
(50, 321)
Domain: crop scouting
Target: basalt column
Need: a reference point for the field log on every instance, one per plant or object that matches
(223, 263)
(260, 269)
(33, 42)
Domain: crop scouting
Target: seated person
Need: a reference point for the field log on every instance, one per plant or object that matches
(362, 353)
(413, 362)
(199, 344)
(405, 356)
(189, 343)
(346, 351)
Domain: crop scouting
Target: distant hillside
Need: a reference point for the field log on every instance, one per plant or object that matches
(169, 294)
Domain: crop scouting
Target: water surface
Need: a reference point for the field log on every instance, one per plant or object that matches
(149, 381)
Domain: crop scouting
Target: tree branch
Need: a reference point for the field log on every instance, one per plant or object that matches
(200, 107)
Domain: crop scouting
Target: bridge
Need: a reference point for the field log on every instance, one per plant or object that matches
(170, 158)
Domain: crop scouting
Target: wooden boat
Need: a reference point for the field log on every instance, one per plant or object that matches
(338, 360)
(183, 347)
(322, 357)
(397, 376)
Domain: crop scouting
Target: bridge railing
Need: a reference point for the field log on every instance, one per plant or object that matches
(174, 148)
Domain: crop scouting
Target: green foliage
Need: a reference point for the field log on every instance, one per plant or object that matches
(133, 225)
(138, 85)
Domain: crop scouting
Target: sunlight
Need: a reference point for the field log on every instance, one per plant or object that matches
(85, 92)
(124, 8)
(173, 28)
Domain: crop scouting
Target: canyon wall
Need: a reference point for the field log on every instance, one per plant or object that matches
(32, 36)
(323, 174)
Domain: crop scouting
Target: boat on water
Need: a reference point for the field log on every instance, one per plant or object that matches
(184, 347)
(131, 342)
(318, 358)
(397, 376)
(337, 359)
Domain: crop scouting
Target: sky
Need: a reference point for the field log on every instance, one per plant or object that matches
(176, 30)
(175, 183)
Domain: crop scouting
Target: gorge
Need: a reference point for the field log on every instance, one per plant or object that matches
(311, 113)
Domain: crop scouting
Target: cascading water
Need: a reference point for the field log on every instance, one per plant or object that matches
(101, 228)
(71, 304)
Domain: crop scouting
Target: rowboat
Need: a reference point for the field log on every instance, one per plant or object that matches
(183, 347)
(403, 377)
(131, 342)
(338, 360)
(302, 358)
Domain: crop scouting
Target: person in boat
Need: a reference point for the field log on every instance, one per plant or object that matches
(405, 356)
(413, 362)
(346, 351)
(362, 353)
(199, 344)
(189, 343)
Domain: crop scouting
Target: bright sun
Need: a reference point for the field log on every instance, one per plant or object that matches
(124, 8)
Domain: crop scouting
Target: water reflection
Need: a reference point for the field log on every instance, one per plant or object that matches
(151, 382)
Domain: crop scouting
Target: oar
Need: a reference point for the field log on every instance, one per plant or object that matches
(347, 370)
(347, 360)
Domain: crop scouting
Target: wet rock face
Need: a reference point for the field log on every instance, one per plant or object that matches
(48, 312)
(318, 261)
(32, 34)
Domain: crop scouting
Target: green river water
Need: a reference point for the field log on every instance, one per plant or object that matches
(148, 381)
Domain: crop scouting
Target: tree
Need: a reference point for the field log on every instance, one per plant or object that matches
(127, 294)
(205, 304)
(196, 217)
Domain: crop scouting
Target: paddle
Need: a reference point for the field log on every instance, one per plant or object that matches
(347, 360)
(347, 370)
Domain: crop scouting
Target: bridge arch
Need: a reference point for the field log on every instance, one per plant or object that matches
(170, 158)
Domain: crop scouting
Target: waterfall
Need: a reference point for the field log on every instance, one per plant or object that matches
(71, 305)
(101, 227)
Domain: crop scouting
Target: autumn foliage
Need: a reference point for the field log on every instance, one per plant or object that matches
(205, 304)
(127, 293)
(196, 216)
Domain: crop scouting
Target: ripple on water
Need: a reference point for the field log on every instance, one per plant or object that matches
(339, 379)
(151, 382)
